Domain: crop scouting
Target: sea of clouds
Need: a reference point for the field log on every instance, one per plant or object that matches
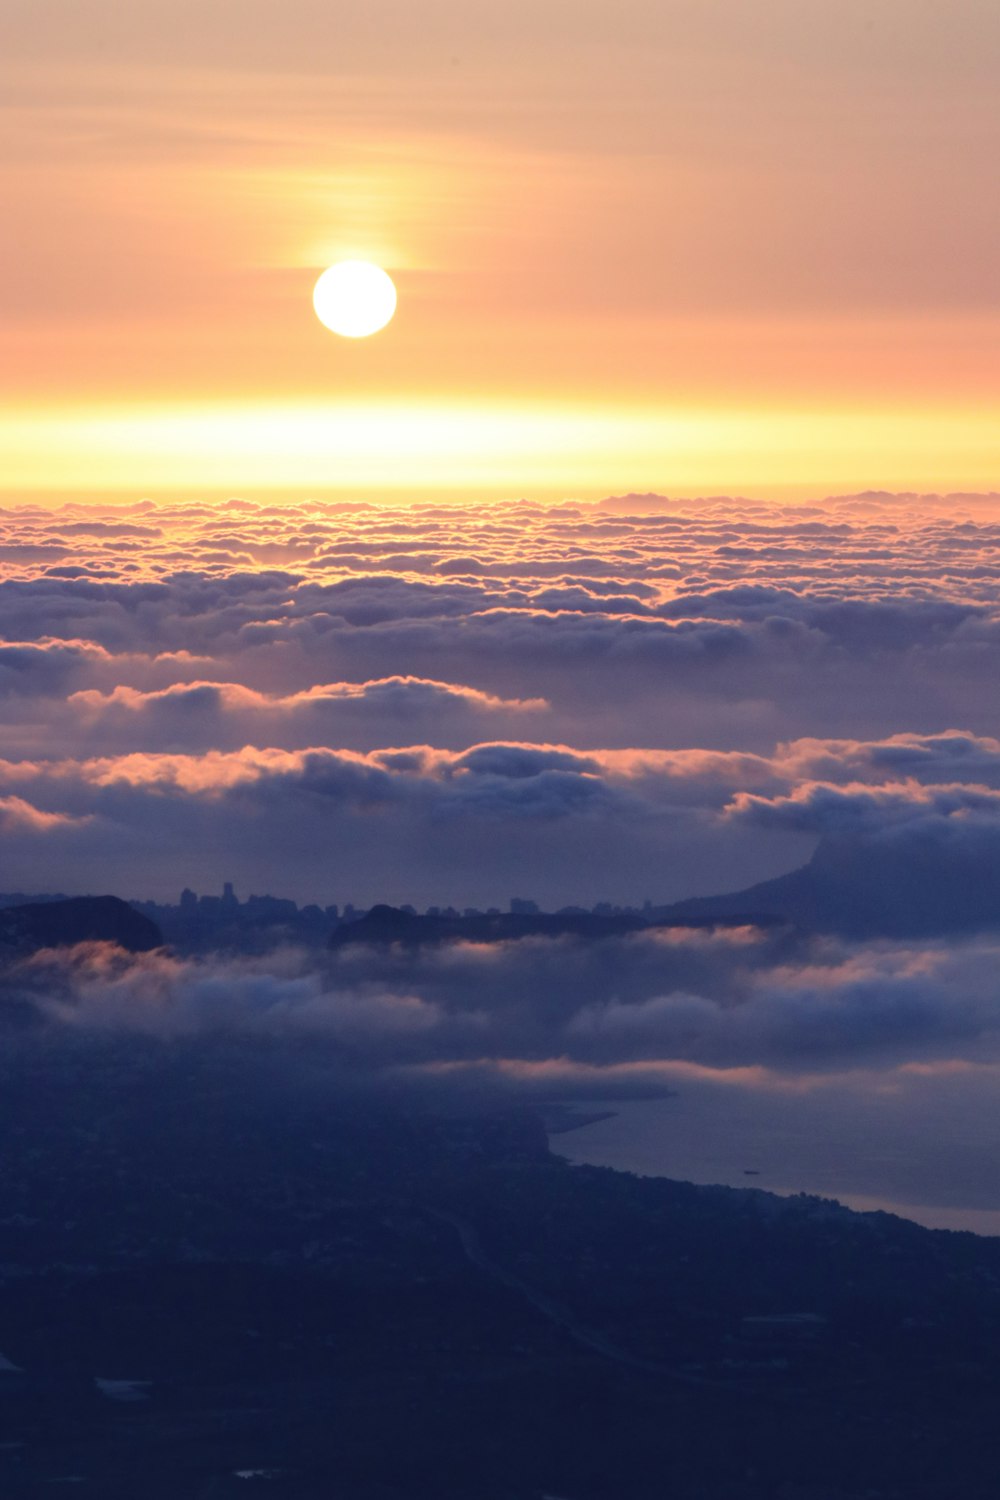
(461, 703)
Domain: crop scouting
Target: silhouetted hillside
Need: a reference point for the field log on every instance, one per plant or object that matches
(218, 1262)
(389, 924)
(902, 886)
(80, 919)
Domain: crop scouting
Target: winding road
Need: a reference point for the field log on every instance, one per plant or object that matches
(590, 1338)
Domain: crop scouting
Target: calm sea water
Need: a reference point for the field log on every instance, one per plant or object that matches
(932, 1158)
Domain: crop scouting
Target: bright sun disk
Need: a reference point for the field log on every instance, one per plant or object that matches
(354, 298)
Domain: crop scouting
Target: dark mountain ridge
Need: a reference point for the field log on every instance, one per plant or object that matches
(383, 925)
(885, 886)
(390, 924)
(77, 919)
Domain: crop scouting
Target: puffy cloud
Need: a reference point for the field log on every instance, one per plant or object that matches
(45, 667)
(817, 807)
(19, 816)
(226, 715)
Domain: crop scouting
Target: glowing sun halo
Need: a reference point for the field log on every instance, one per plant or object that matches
(354, 298)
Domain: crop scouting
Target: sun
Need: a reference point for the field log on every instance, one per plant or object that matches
(354, 298)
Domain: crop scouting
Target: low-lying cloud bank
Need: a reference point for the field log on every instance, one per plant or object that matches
(640, 698)
(474, 826)
(624, 1016)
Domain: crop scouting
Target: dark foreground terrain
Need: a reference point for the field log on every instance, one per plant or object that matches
(358, 1297)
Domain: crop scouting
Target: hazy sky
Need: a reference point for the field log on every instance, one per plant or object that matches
(655, 244)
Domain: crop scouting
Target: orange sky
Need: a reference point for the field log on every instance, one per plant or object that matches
(657, 244)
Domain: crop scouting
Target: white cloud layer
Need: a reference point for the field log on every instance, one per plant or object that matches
(439, 702)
